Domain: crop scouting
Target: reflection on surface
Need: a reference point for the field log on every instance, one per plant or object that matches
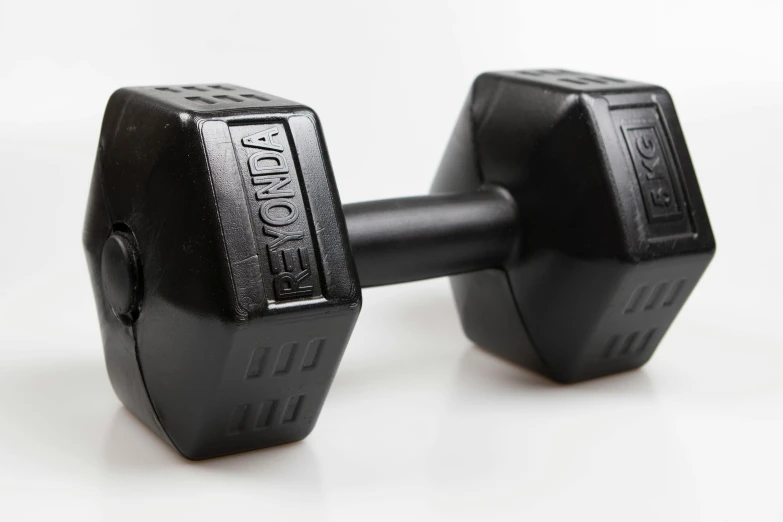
(66, 414)
(558, 441)
(418, 420)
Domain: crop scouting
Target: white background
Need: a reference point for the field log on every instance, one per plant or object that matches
(419, 424)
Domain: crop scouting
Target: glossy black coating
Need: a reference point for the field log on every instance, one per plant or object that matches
(407, 239)
(121, 276)
(615, 234)
(566, 210)
(249, 290)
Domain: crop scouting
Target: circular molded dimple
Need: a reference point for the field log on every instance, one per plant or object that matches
(120, 275)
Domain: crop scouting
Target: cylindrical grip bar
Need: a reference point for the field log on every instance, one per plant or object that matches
(407, 239)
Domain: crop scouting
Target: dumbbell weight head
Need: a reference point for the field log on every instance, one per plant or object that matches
(614, 233)
(220, 265)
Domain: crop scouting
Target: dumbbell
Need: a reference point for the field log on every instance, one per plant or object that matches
(228, 276)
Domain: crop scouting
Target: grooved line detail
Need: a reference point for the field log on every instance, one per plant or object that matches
(285, 359)
(656, 295)
(313, 354)
(199, 99)
(571, 77)
(646, 340)
(628, 344)
(266, 414)
(610, 346)
(292, 408)
(636, 298)
(227, 97)
(675, 293)
(255, 97)
(662, 295)
(635, 343)
(210, 97)
(257, 363)
(574, 80)
(238, 422)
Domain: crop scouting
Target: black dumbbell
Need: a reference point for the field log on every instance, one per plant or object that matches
(566, 210)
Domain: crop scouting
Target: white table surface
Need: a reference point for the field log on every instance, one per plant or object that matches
(419, 424)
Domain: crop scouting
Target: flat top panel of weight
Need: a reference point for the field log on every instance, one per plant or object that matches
(213, 97)
(573, 81)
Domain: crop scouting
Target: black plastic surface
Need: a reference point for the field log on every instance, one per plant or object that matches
(249, 291)
(407, 239)
(566, 209)
(615, 232)
(121, 276)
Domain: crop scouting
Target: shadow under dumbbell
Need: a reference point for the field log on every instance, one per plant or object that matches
(481, 368)
(551, 442)
(415, 327)
(130, 446)
(403, 330)
(63, 414)
(54, 409)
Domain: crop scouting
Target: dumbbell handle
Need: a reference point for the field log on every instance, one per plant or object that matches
(420, 237)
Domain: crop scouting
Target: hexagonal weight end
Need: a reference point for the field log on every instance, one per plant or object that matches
(233, 339)
(615, 232)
